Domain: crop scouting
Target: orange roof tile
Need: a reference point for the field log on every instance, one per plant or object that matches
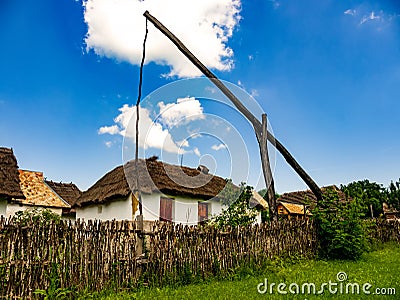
(37, 192)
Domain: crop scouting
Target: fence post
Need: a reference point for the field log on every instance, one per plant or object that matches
(140, 235)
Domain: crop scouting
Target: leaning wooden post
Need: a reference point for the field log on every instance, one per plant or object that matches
(269, 180)
(254, 121)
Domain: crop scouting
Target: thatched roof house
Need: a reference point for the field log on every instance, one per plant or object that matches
(155, 176)
(9, 176)
(169, 193)
(286, 208)
(308, 198)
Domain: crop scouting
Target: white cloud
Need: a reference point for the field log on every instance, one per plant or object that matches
(351, 12)
(184, 143)
(116, 30)
(275, 3)
(254, 93)
(114, 129)
(197, 151)
(218, 147)
(108, 144)
(181, 112)
(151, 134)
(370, 17)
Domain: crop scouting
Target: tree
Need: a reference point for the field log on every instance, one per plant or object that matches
(238, 212)
(368, 194)
(393, 194)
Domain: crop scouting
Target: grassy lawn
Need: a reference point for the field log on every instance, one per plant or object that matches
(381, 269)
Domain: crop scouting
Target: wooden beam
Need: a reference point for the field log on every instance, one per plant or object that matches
(269, 180)
(254, 121)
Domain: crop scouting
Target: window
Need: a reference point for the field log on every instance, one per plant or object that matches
(99, 209)
(166, 209)
(202, 212)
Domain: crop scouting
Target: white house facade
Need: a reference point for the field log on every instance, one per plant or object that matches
(171, 193)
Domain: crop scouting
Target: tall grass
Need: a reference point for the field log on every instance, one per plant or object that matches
(379, 268)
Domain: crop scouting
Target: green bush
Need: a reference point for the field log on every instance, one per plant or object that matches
(238, 212)
(340, 228)
(42, 216)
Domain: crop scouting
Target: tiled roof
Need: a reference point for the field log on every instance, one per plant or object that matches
(37, 192)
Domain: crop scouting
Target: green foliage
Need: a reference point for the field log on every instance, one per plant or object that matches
(341, 230)
(54, 291)
(35, 215)
(393, 194)
(238, 212)
(369, 194)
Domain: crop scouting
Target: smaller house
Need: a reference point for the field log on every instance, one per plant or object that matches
(299, 204)
(10, 189)
(390, 213)
(37, 195)
(23, 189)
(292, 210)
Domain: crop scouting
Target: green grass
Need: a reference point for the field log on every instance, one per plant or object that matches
(379, 268)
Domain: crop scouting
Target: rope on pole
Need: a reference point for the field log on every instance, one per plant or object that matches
(137, 121)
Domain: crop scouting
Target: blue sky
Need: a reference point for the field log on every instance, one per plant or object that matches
(327, 73)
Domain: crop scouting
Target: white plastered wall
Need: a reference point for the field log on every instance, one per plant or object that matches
(12, 208)
(117, 209)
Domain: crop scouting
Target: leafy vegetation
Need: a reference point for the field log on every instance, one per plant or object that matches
(341, 231)
(393, 194)
(35, 215)
(238, 212)
(373, 195)
(54, 291)
(379, 268)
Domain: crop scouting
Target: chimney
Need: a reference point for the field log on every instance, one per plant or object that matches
(203, 169)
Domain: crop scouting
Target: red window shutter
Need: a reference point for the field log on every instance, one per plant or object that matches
(166, 209)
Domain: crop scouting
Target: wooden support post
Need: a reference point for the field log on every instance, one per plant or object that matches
(254, 121)
(140, 235)
(269, 180)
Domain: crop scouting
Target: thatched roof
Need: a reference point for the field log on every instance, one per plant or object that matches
(155, 176)
(9, 176)
(68, 191)
(37, 192)
(295, 209)
(308, 198)
(257, 200)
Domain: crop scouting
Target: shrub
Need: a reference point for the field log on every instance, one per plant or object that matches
(340, 228)
(238, 212)
(42, 216)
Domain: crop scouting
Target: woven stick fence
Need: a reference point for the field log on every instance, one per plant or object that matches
(97, 255)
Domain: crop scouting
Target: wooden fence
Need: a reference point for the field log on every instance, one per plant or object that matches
(95, 255)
